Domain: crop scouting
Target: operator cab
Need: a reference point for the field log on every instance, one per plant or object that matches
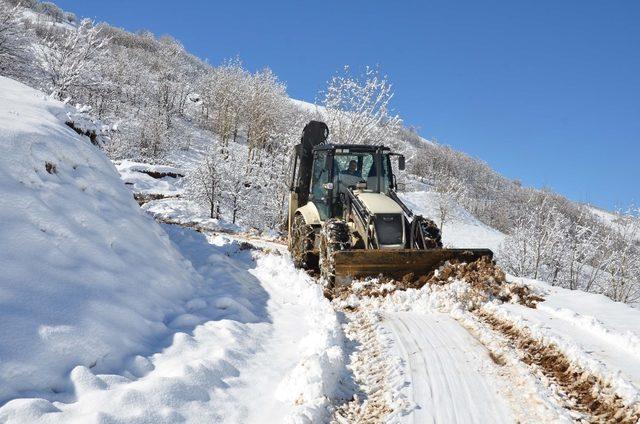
(340, 167)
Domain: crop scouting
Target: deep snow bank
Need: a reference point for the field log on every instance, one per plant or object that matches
(259, 344)
(87, 279)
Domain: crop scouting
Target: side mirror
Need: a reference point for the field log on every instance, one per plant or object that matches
(401, 164)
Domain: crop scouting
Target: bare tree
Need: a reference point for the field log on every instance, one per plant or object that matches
(358, 108)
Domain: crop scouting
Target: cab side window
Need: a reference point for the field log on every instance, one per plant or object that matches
(320, 177)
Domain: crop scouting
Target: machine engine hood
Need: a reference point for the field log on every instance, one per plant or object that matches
(378, 203)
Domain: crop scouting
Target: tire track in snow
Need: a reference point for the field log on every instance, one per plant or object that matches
(434, 348)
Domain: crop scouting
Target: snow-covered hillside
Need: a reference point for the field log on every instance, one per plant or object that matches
(188, 308)
(87, 279)
(112, 318)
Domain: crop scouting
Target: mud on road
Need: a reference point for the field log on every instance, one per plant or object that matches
(583, 391)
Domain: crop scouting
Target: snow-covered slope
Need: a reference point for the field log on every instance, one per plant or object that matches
(612, 220)
(87, 279)
(461, 229)
(108, 317)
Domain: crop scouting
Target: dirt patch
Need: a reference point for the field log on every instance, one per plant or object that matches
(584, 392)
(372, 287)
(486, 279)
(50, 168)
(158, 174)
(497, 358)
(89, 133)
(143, 198)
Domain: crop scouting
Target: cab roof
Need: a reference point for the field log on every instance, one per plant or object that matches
(357, 148)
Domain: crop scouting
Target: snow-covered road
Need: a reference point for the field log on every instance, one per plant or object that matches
(447, 371)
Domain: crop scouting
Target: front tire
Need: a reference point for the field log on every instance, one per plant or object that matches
(301, 244)
(335, 236)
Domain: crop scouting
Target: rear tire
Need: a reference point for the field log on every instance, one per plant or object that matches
(335, 236)
(301, 247)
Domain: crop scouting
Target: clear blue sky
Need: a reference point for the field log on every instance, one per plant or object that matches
(545, 91)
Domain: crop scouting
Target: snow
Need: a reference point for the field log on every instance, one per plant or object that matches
(267, 347)
(610, 219)
(614, 321)
(434, 333)
(461, 229)
(187, 212)
(316, 341)
(605, 216)
(88, 280)
(594, 331)
(444, 350)
(134, 175)
(308, 107)
(126, 166)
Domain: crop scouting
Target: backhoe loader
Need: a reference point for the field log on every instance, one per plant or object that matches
(346, 219)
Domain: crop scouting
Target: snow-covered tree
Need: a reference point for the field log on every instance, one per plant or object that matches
(451, 192)
(224, 96)
(622, 281)
(585, 253)
(236, 185)
(69, 58)
(535, 243)
(358, 108)
(153, 138)
(13, 42)
(203, 183)
(52, 10)
(264, 111)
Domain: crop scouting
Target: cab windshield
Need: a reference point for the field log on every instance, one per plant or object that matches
(353, 168)
(350, 169)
